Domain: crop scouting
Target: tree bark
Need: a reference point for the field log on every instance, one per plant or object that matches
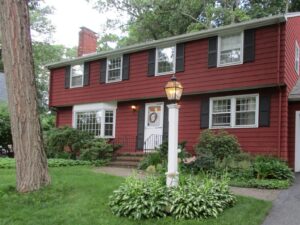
(31, 160)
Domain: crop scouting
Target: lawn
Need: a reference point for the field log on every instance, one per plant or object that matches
(79, 196)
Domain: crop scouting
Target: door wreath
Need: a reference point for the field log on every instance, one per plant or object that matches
(153, 117)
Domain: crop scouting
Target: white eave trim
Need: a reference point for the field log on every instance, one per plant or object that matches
(174, 40)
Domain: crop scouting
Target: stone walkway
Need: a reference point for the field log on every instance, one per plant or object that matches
(268, 195)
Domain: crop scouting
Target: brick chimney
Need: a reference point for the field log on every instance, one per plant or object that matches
(87, 41)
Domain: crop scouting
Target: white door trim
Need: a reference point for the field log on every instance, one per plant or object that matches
(297, 141)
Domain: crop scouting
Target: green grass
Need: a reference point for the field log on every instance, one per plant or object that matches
(79, 196)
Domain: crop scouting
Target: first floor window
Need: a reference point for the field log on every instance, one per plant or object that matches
(100, 123)
(234, 111)
(114, 69)
(76, 78)
(230, 49)
(165, 60)
(297, 57)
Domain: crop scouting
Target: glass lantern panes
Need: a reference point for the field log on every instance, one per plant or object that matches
(88, 121)
(165, 59)
(230, 49)
(221, 112)
(76, 76)
(245, 111)
(114, 69)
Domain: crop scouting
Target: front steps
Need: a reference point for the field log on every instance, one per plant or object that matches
(127, 160)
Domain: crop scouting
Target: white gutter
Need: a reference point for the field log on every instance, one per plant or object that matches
(173, 40)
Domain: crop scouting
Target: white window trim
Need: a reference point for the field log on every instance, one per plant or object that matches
(219, 51)
(97, 107)
(233, 111)
(71, 76)
(297, 58)
(107, 69)
(156, 60)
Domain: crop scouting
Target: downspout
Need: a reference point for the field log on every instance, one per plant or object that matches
(279, 88)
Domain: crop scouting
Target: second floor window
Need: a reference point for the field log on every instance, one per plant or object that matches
(114, 69)
(230, 49)
(297, 57)
(165, 60)
(76, 78)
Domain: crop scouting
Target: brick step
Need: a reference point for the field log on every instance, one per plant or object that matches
(125, 164)
(132, 154)
(128, 158)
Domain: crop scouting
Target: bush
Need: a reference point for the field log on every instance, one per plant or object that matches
(47, 121)
(200, 199)
(140, 199)
(264, 184)
(203, 163)
(5, 130)
(266, 167)
(151, 159)
(96, 149)
(217, 144)
(150, 198)
(66, 139)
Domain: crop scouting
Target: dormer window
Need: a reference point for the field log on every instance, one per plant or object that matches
(114, 69)
(76, 76)
(230, 49)
(165, 60)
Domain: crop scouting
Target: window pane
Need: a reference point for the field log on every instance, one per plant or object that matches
(222, 105)
(77, 70)
(76, 81)
(221, 119)
(230, 51)
(245, 118)
(114, 69)
(88, 121)
(109, 123)
(165, 59)
(246, 104)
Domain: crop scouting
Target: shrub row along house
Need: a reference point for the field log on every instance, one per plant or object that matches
(241, 77)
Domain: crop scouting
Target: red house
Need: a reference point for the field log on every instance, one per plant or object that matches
(241, 77)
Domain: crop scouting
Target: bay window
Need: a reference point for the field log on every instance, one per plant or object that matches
(165, 60)
(234, 111)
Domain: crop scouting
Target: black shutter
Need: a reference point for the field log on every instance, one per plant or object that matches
(103, 71)
(204, 115)
(249, 45)
(151, 62)
(126, 66)
(140, 128)
(264, 110)
(67, 76)
(86, 74)
(212, 51)
(180, 57)
(166, 123)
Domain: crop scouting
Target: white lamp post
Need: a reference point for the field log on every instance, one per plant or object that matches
(173, 91)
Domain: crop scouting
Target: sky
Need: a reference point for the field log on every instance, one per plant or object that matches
(70, 15)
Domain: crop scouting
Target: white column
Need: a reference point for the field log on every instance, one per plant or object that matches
(172, 174)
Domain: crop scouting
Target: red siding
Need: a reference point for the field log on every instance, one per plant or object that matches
(196, 78)
(292, 34)
(64, 116)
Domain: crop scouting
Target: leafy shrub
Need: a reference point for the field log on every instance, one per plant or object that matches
(96, 149)
(47, 121)
(266, 167)
(66, 139)
(200, 199)
(203, 163)
(150, 198)
(151, 159)
(262, 183)
(140, 199)
(5, 130)
(217, 144)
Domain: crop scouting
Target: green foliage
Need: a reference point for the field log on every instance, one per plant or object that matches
(47, 121)
(9, 163)
(140, 199)
(5, 130)
(203, 163)
(217, 144)
(260, 183)
(151, 159)
(192, 199)
(200, 199)
(66, 139)
(266, 167)
(96, 149)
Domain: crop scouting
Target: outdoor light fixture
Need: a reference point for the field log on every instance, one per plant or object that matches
(173, 89)
(133, 108)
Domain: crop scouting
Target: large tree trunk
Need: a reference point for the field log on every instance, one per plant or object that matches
(31, 161)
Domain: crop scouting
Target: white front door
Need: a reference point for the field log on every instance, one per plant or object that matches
(297, 142)
(153, 125)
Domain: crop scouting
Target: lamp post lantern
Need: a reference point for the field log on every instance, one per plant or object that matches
(173, 91)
